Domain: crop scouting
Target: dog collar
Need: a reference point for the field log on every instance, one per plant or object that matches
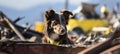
(52, 41)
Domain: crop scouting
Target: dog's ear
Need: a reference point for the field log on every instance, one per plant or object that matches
(66, 14)
(49, 14)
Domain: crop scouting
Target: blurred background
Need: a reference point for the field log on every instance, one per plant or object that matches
(85, 12)
(93, 21)
(33, 10)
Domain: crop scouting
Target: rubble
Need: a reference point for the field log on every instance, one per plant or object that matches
(15, 38)
(9, 28)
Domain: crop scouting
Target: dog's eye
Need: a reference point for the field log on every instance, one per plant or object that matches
(55, 23)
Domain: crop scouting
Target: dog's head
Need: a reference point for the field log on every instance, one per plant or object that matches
(57, 22)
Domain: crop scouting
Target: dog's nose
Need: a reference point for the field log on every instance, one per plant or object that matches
(62, 30)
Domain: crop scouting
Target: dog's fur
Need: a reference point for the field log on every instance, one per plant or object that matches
(56, 26)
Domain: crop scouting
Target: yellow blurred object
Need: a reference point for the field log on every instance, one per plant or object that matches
(87, 24)
(109, 29)
(39, 26)
(51, 41)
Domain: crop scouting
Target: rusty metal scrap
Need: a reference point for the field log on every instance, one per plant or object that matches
(5, 22)
(114, 49)
(102, 46)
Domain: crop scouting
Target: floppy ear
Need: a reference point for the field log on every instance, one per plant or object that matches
(66, 14)
(49, 14)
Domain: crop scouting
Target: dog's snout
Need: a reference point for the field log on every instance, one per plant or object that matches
(59, 29)
(62, 30)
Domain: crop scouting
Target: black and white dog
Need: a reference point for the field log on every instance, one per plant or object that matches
(56, 31)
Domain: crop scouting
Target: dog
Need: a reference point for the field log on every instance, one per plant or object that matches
(56, 31)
